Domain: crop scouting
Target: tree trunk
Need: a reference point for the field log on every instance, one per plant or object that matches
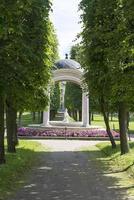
(75, 115)
(80, 115)
(92, 116)
(128, 120)
(19, 118)
(111, 117)
(2, 149)
(15, 129)
(106, 120)
(124, 145)
(41, 117)
(11, 127)
(34, 116)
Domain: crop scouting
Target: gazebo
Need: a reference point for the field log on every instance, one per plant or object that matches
(69, 70)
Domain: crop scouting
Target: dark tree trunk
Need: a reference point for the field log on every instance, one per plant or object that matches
(80, 115)
(52, 114)
(34, 116)
(69, 112)
(39, 117)
(41, 121)
(111, 117)
(2, 149)
(92, 116)
(106, 120)
(15, 129)
(75, 115)
(128, 120)
(19, 118)
(11, 127)
(124, 145)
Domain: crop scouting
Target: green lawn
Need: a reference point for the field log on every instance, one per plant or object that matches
(114, 165)
(13, 173)
(122, 166)
(98, 121)
(27, 119)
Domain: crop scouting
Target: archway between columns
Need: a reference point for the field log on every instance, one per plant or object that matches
(75, 76)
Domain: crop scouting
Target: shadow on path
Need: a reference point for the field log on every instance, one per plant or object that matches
(71, 176)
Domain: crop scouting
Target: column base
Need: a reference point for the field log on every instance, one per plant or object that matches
(45, 125)
(86, 125)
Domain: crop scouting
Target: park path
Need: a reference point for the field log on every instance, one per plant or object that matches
(65, 173)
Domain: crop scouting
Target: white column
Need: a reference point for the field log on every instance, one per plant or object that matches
(46, 116)
(85, 109)
(46, 113)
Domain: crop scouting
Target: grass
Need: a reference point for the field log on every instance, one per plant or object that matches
(13, 173)
(120, 165)
(27, 119)
(114, 124)
(119, 169)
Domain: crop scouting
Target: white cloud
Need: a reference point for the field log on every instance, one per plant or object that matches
(66, 19)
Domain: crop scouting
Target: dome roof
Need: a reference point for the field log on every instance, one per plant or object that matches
(67, 64)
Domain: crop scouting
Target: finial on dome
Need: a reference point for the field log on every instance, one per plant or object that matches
(66, 56)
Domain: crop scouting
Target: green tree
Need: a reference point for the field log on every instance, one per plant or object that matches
(108, 43)
(25, 56)
(98, 23)
(54, 99)
(77, 53)
(123, 59)
(73, 98)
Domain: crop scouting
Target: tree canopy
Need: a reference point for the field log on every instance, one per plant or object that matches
(108, 54)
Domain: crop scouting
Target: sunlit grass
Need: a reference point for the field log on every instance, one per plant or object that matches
(119, 163)
(114, 165)
(114, 124)
(13, 173)
(122, 166)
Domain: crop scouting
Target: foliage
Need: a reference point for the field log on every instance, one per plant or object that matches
(73, 96)
(77, 53)
(26, 53)
(123, 55)
(107, 40)
(55, 97)
(26, 37)
(98, 23)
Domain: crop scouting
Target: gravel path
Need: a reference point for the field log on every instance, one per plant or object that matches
(65, 174)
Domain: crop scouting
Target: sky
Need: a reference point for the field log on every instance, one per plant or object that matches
(66, 19)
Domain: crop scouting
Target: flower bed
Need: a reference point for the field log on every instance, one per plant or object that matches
(93, 132)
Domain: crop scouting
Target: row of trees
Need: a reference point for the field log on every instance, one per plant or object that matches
(107, 51)
(28, 46)
(73, 100)
(54, 100)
